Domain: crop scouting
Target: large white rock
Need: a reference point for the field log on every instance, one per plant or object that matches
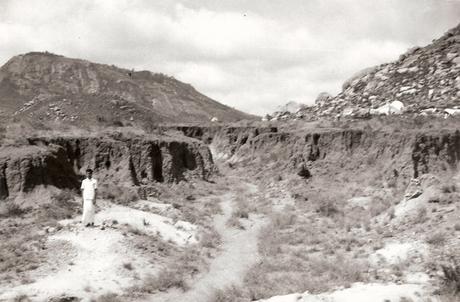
(347, 111)
(452, 111)
(395, 107)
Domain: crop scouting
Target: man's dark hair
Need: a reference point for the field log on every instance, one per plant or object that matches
(89, 170)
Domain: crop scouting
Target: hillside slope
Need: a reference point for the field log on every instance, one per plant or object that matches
(44, 86)
(422, 78)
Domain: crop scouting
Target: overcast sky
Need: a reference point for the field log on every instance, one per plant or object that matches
(250, 54)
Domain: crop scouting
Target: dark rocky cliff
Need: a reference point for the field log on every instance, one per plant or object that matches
(61, 162)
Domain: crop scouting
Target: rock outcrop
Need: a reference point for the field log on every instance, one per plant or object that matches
(61, 162)
(424, 79)
(39, 87)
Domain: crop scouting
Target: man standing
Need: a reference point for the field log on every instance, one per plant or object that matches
(89, 189)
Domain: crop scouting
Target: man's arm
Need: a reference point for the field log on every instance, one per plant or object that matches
(81, 190)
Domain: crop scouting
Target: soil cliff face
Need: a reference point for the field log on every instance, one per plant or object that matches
(61, 162)
(394, 156)
(23, 168)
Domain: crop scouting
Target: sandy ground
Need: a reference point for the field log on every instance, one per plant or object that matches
(99, 254)
(238, 252)
(363, 293)
(398, 252)
(89, 262)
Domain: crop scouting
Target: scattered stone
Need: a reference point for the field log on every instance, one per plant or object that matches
(413, 190)
(428, 72)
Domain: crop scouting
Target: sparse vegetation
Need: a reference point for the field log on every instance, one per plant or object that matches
(10, 209)
(128, 266)
(165, 280)
(230, 294)
(436, 238)
(117, 194)
(449, 188)
(22, 298)
(450, 279)
(210, 239)
(110, 297)
(421, 216)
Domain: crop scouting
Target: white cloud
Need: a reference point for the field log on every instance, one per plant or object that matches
(252, 55)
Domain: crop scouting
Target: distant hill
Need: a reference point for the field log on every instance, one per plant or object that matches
(44, 87)
(422, 78)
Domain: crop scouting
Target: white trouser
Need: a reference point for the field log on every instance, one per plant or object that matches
(88, 211)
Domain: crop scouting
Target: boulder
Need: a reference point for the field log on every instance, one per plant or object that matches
(414, 189)
(303, 171)
(322, 98)
(395, 107)
(452, 111)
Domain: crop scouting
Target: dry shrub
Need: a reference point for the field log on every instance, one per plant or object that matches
(457, 226)
(378, 206)
(328, 208)
(437, 238)
(448, 188)
(210, 239)
(240, 212)
(117, 194)
(110, 297)
(165, 280)
(21, 251)
(10, 209)
(128, 266)
(230, 294)
(234, 222)
(282, 220)
(63, 205)
(212, 206)
(136, 231)
(451, 278)
(286, 274)
(22, 298)
(421, 216)
(63, 196)
(182, 267)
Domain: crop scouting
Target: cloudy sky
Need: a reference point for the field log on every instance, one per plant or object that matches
(250, 54)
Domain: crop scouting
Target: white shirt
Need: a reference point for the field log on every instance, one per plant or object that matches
(89, 187)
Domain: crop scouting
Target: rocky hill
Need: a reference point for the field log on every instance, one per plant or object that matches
(44, 87)
(425, 80)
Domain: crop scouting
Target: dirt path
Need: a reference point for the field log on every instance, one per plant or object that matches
(238, 253)
(89, 262)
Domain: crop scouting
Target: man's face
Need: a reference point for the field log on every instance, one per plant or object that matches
(89, 174)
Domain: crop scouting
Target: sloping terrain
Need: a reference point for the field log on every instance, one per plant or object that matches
(45, 87)
(354, 214)
(423, 78)
(337, 215)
